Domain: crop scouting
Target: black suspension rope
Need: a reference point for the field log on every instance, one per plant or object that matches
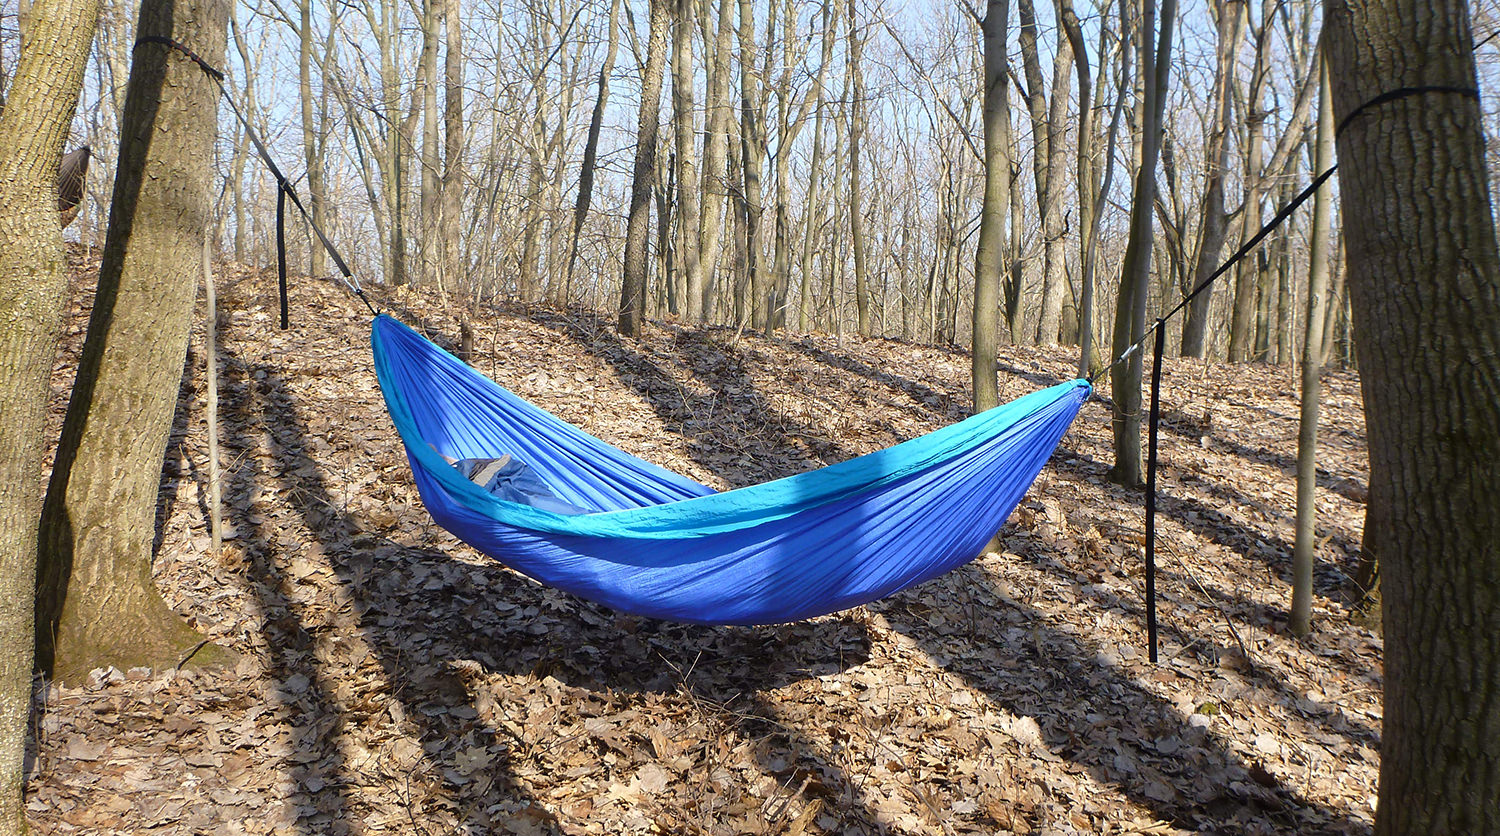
(1158, 328)
(284, 189)
(1154, 423)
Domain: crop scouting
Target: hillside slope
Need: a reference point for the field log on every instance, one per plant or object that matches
(394, 681)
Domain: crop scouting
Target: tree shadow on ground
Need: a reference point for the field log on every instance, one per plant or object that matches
(933, 401)
(1125, 722)
(422, 614)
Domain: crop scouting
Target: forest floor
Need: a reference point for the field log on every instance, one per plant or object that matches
(392, 680)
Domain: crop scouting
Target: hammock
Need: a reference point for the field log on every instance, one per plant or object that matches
(660, 545)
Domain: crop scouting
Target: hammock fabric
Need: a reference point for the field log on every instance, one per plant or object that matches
(661, 545)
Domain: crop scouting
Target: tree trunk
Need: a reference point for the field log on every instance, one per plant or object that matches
(997, 173)
(1015, 272)
(752, 153)
(1087, 181)
(1424, 278)
(1242, 329)
(1215, 224)
(688, 185)
(1049, 154)
(430, 197)
(452, 248)
(643, 185)
(96, 603)
(1135, 271)
(393, 169)
(33, 282)
(714, 174)
(857, 240)
(310, 150)
(591, 146)
(1304, 551)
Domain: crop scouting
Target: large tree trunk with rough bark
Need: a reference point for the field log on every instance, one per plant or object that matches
(42, 98)
(1424, 279)
(96, 602)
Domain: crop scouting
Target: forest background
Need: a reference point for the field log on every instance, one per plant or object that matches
(821, 164)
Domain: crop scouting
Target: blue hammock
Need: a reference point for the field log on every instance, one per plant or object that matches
(661, 545)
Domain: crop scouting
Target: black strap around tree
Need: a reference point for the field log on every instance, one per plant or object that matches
(1159, 328)
(284, 187)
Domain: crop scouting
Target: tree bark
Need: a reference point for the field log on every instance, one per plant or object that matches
(311, 152)
(1242, 329)
(997, 174)
(1424, 279)
(812, 210)
(1304, 552)
(752, 153)
(591, 145)
(684, 121)
(1049, 167)
(714, 174)
(452, 247)
(857, 112)
(1215, 224)
(638, 228)
(1135, 272)
(96, 603)
(430, 196)
(33, 281)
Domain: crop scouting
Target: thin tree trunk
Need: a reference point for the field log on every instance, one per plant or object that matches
(856, 209)
(310, 150)
(430, 197)
(1242, 318)
(987, 258)
(211, 398)
(1215, 224)
(591, 146)
(1088, 181)
(452, 248)
(688, 185)
(1135, 272)
(752, 147)
(715, 178)
(1304, 551)
(1049, 154)
(638, 229)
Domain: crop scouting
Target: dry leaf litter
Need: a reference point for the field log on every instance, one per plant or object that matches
(392, 680)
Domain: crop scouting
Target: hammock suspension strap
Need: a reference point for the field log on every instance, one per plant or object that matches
(284, 188)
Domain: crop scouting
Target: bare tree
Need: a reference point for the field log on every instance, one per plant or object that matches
(857, 111)
(1048, 165)
(997, 168)
(452, 248)
(96, 604)
(1130, 311)
(43, 95)
(1215, 222)
(1424, 278)
(1312, 365)
(633, 284)
(591, 145)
